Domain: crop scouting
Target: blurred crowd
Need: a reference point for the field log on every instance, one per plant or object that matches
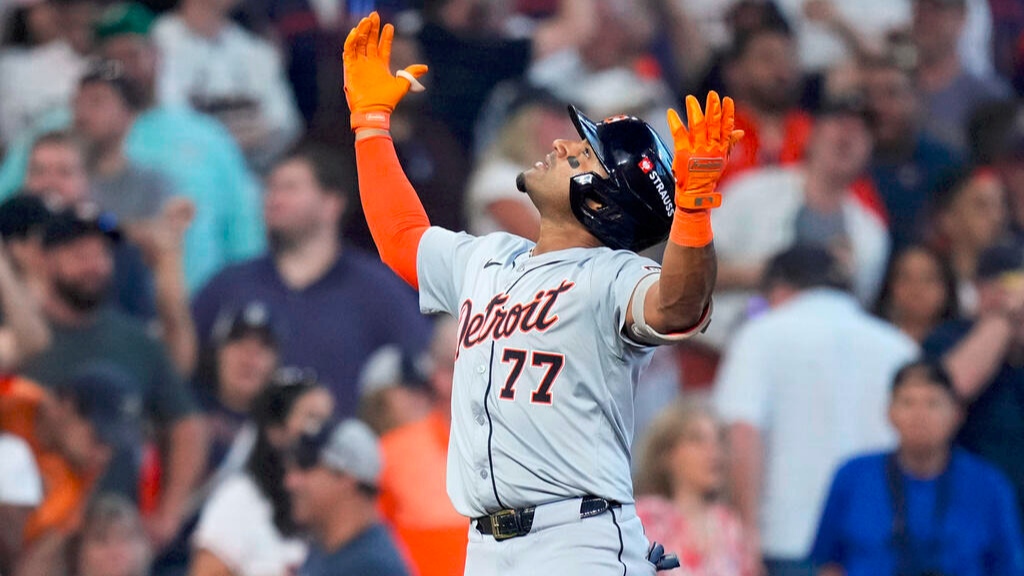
(206, 370)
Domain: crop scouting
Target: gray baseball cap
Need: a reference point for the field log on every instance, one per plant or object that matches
(391, 366)
(349, 447)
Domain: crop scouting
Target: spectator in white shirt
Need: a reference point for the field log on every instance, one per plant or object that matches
(802, 388)
(21, 490)
(768, 210)
(214, 65)
(246, 528)
(39, 66)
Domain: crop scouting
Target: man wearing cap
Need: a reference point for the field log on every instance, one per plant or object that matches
(815, 366)
(985, 359)
(75, 432)
(227, 227)
(394, 389)
(333, 480)
(77, 249)
(771, 209)
(901, 513)
(237, 366)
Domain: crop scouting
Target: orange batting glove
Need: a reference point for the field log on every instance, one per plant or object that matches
(371, 89)
(701, 153)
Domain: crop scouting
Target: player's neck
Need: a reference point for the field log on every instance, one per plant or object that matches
(556, 236)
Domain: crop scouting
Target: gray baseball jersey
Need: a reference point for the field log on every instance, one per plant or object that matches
(542, 405)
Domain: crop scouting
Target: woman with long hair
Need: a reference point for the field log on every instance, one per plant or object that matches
(246, 527)
(680, 476)
(919, 292)
(969, 215)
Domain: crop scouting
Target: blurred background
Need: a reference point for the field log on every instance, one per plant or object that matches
(188, 287)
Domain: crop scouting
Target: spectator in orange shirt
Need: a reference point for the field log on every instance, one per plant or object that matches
(73, 434)
(763, 76)
(413, 497)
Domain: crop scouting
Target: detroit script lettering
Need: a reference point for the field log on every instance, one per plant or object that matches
(498, 321)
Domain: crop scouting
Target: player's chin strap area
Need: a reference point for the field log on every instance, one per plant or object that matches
(642, 332)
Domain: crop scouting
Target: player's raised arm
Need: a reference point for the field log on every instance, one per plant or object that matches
(680, 300)
(393, 211)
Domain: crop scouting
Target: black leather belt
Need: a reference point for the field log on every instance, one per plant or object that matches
(512, 523)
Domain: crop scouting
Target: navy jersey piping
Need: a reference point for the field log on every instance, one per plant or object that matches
(487, 395)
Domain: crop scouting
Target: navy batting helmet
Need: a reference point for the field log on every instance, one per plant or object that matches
(631, 209)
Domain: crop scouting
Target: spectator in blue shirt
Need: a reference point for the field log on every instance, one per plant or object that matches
(985, 358)
(906, 164)
(332, 480)
(925, 509)
(334, 304)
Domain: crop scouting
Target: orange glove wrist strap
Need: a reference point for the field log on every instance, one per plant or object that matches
(692, 201)
(372, 119)
(691, 228)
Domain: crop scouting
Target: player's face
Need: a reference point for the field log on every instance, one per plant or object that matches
(547, 182)
(697, 458)
(56, 171)
(924, 415)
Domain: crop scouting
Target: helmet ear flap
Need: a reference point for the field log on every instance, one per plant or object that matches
(590, 197)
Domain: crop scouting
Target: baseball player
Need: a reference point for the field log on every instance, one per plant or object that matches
(553, 335)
